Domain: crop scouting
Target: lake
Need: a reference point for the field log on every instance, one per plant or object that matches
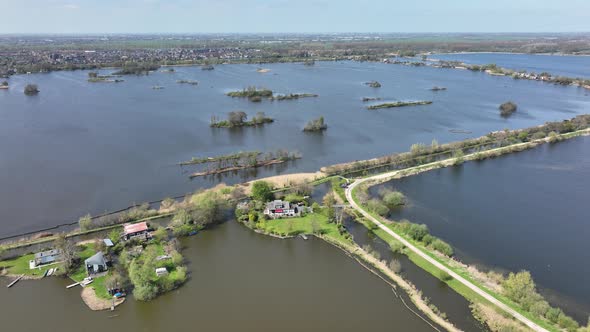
(520, 211)
(81, 147)
(562, 65)
(240, 280)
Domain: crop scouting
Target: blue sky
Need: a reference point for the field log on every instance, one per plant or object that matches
(202, 16)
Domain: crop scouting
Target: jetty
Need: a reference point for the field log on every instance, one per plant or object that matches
(15, 281)
(72, 285)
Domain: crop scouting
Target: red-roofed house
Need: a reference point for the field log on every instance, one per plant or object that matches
(139, 230)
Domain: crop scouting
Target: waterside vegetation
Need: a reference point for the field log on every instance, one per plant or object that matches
(316, 125)
(399, 104)
(237, 119)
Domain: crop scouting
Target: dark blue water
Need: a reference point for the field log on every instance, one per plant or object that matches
(566, 65)
(527, 210)
(82, 147)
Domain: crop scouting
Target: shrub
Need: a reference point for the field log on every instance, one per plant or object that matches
(85, 222)
(394, 199)
(316, 125)
(444, 276)
(553, 314)
(31, 89)
(540, 308)
(161, 234)
(567, 322)
(395, 266)
(417, 232)
(507, 108)
(442, 247)
(539, 135)
(378, 207)
(395, 246)
(427, 239)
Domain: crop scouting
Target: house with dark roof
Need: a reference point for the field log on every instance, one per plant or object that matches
(96, 264)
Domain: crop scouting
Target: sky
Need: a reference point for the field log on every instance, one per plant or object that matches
(268, 16)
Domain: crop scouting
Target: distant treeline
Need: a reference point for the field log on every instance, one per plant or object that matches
(422, 153)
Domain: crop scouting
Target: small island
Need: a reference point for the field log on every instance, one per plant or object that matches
(257, 94)
(293, 96)
(309, 63)
(136, 69)
(239, 161)
(31, 89)
(251, 92)
(373, 84)
(438, 88)
(207, 67)
(316, 125)
(399, 104)
(237, 119)
(366, 99)
(507, 108)
(4, 85)
(190, 82)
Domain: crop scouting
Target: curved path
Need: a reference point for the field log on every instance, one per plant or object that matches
(431, 260)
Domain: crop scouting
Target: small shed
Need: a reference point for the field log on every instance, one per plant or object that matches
(96, 264)
(161, 271)
(48, 257)
(108, 242)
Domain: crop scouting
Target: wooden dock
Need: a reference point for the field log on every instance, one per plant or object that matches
(72, 285)
(15, 281)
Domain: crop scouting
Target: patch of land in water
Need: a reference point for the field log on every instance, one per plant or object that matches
(399, 104)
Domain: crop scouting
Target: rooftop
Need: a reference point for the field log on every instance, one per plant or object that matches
(135, 228)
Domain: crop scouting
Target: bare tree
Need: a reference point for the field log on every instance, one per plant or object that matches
(237, 118)
(68, 250)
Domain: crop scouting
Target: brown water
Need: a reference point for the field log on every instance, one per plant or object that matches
(240, 281)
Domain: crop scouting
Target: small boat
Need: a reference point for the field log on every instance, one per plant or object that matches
(50, 272)
(86, 281)
(45, 273)
(304, 236)
(191, 233)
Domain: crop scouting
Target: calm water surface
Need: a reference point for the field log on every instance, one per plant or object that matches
(240, 281)
(80, 147)
(566, 65)
(527, 210)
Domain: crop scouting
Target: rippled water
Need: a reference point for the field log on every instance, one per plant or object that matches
(82, 147)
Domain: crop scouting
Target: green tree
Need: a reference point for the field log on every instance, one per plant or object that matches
(161, 234)
(262, 191)
(519, 286)
(329, 201)
(207, 207)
